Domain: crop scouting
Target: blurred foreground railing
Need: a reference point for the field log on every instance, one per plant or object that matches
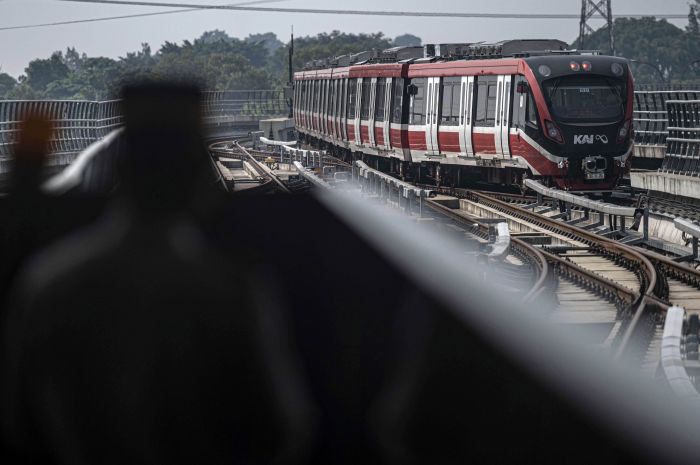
(80, 123)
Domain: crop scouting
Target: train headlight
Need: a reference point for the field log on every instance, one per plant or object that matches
(617, 69)
(544, 70)
(587, 66)
(553, 132)
(574, 66)
(624, 130)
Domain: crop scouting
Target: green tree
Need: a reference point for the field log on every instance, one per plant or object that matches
(656, 48)
(41, 73)
(268, 40)
(325, 45)
(407, 40)
(7, 83)
(22, 91)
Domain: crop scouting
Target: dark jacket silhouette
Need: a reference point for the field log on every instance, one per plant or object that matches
(134, 341)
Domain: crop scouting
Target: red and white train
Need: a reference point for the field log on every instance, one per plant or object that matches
(497, 113)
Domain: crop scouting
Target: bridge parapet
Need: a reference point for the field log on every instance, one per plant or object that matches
(79, 123)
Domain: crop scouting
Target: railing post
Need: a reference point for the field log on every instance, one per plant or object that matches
(420, 203)
(646, 222)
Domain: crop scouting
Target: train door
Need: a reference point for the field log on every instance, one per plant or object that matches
(503, 99)
(371, 116)
(431, 116)
(343, 111)
(465, 115)
(314, 105)
(331, 109)
(386, 126)
(326, 105)
(336, 108)
(358, 97)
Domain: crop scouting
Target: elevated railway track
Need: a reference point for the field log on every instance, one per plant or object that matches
(615, 295)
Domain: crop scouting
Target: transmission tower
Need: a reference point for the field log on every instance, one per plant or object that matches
(589, 9)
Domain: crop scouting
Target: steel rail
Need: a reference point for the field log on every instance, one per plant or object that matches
(264, 168)
(535, 257)
(653, 290)
(234, 152)
(608, 245)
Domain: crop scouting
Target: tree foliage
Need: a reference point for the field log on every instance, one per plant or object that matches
(215, 60)
(7, 83)
(407, 40)
(660, 52)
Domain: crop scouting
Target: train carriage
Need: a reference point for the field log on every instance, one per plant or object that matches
(496, 112)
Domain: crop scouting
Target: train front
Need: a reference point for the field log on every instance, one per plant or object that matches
(585, 106)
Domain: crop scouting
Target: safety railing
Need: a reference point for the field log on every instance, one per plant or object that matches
(617, 214)
(308, 158)
(374, 182)
(255, 103)
(650, 115)
(310, 176)
(79, 123)
(672, 360)
(683, 141)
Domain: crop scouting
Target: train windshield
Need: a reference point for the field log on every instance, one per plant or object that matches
(585, 99)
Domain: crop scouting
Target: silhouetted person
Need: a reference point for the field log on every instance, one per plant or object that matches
(23, 222)
(135, 341)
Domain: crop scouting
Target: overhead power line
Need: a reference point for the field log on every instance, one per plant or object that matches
(112, 18)
(429, 14)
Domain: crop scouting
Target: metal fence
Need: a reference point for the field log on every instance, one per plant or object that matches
(650, 116)
(227, 103)
(80, 123)
(683, 141)
(77, 123)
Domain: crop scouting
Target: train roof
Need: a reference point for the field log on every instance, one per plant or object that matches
(444, 52)
(506, 57)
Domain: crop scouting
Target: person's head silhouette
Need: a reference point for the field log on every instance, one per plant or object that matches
(164, 156)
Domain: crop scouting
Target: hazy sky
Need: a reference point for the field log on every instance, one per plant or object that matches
(115, 38)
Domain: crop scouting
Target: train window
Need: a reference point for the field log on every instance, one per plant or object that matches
(450, 101)
(470, 98)
(498, 108)
(331, 97)
(321, 96)
(339, 97)
(317, 95)
(342, 100)
(480, 118)
(507, 95)
(463, 92)
(531, 111)
(364, 102)
(324, 100)
(519, 102)
(352, 100)
(379, 99)
(418, 101)
(397, 101)
(491, 104)
(312, 100)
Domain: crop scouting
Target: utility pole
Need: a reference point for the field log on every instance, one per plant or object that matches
(589, 9)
